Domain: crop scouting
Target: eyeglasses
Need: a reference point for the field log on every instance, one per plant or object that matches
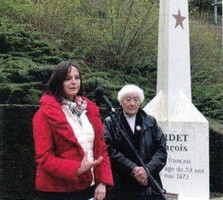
(135, 99)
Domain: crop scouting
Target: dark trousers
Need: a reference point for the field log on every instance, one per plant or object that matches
(79, 195)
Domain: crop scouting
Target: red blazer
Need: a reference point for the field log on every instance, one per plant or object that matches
(58, 153)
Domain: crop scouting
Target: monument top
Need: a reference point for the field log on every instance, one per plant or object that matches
(173, 53)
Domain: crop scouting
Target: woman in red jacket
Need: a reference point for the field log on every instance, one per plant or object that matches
(71, 156)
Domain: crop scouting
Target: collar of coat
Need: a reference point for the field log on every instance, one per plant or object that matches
(57, 119)
(147, 120)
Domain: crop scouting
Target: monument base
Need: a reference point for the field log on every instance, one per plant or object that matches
(187, 170)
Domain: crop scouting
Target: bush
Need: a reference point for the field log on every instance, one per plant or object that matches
(207, 69)
(109, 33)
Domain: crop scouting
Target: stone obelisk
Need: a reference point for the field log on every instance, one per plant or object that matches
(186, 174)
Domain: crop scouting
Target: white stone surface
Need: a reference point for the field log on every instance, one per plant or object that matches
(186, 130)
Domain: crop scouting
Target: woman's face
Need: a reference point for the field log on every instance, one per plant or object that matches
(130, 103)
(72, 82)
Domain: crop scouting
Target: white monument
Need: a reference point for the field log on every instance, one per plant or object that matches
(186, 174)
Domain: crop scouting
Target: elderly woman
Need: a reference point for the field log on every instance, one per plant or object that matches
(131, 179)
(71, 156)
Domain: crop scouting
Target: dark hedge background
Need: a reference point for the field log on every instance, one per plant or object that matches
(17, 152)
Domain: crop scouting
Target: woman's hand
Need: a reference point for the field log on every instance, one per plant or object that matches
(140, 175)
(86, 165)
(100, 192)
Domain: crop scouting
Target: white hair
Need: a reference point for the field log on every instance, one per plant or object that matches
(127, 89)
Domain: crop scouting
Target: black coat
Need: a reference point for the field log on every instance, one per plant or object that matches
(151, 149)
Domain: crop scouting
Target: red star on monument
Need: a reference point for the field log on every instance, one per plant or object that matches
(179, 19)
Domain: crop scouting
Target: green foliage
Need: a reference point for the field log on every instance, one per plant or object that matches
(107, 33)
(22, 80)
(25, 93)
(115, 34)
(206, 46)
(200, 5)
(24, 58)
(207, 97)
(124, 34)
(22, 41)
(207, 69)
(59, 20)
